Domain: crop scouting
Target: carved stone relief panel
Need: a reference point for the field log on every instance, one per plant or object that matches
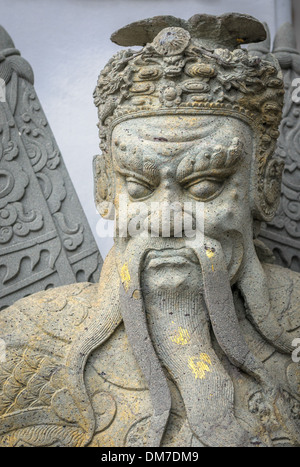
(282, 235)
(45, 240)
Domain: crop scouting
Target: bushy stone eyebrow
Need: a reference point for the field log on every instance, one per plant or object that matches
(146, 175)
(136, 165)
(215, 160)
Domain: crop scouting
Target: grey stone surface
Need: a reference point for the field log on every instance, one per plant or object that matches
(188, 339)
(282, 234)
(223, 29)
(45, 240)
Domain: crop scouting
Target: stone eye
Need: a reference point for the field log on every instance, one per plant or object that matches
(204, 190)
(138, 190)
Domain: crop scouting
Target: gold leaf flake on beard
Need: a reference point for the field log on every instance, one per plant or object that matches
(181, 336)
(200, 365)
(210, 253)
(125, 276)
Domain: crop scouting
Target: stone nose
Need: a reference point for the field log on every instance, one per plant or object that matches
(166, 220)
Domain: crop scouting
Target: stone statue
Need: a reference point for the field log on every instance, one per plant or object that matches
(188, 339)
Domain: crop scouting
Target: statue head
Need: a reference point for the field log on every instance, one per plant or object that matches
(190, 120)
(194, 105)
(193, 70)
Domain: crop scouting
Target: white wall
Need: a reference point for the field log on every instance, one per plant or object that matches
(67, 43)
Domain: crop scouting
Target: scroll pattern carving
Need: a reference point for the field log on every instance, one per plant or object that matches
(13, 183)
(41, 244)
(282, 235)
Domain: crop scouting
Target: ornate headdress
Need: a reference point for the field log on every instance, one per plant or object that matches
(197, 67)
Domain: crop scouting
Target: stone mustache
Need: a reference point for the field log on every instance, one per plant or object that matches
(184, 342)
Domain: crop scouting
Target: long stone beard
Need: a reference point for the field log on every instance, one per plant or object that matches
(180, 332)
(180, 328)
(172, 328)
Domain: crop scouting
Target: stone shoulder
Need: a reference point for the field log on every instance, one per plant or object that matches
(43, 400)
(55, 312)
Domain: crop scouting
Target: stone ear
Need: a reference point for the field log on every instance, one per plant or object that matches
(269, 189)
(103, 187)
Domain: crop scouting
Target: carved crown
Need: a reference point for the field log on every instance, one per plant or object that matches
(195, 67)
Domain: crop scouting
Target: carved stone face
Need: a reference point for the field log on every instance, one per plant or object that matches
(201, 166)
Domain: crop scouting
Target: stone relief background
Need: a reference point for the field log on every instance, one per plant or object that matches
(67, 44)
(45, 239)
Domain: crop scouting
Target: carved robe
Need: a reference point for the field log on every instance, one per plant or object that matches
(68, 376)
